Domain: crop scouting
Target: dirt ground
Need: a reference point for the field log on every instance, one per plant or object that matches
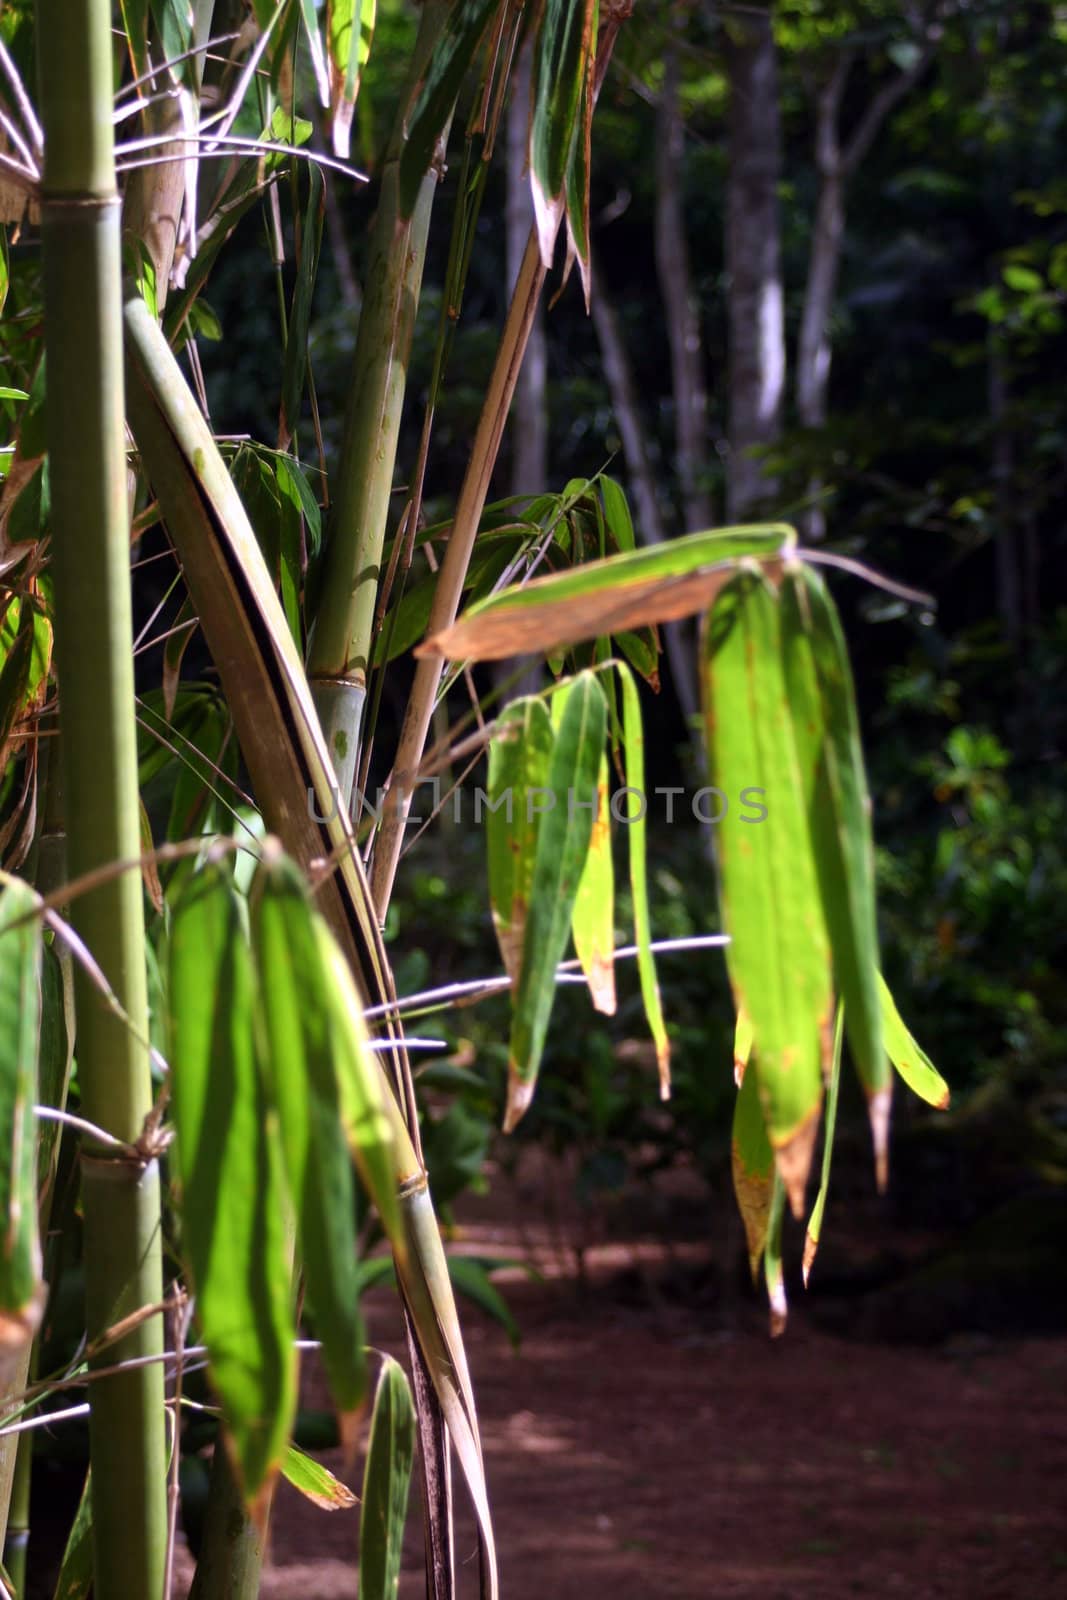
(644, 1445)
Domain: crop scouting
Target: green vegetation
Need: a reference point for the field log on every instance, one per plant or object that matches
(255, 403)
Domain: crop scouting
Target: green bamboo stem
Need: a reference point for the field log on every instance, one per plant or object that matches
(90, 554)
(231, 1556)
(341, 640)
(449, 590)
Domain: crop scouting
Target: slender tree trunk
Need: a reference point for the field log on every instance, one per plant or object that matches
(753, 255)
(835, 165)
(680, 305)
(642, 479)
(80, 229)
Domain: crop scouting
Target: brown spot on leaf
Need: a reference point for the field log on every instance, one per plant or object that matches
(793, 1158)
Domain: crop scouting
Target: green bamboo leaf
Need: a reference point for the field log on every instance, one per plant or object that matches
(773, 1273)
(593, 923)
(315, 1482)
(633, 738)
(234, 1207)
(22, 1292)
(826, 728)
(349, 32)
(296, 343)
(75, 1581)
(174, 25)
(814, 1230)
(519, 755)
(445, 71)
(15, 681)
(909, 1058)
(578, 169)
(751, 1156)
(657, 584)
(471, 1278)
(617, 512)
(562, 845)
(365, 1109)
(306, 1090)
(778, 957)
(386, 1481)
(309, 16)
(564, 45)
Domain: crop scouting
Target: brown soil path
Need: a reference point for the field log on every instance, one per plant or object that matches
(652, 1451)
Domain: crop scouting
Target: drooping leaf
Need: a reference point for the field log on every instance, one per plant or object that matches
(309, 16)
(22, 1291)
(617, 512)
(773, 1272)
(315, 1482)
(814, 1230)
(909, 1058)
(349, 32)
(234, 1206)
(386, 1481)
(826, 726)
(445, 70)
(778, 957)
(633, 739)
(578, 170)
(471, 1278)
(519, 755)
(562, 846)
(657, 584)
(751, 1156)
(593, 923)
(305, 1088)
(561, 58)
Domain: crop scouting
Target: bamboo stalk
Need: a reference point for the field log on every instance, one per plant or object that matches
(90, 554)
(231, 1556)
(340, 645)
(457, 556)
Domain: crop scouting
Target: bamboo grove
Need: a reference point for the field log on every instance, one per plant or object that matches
(207, 1022)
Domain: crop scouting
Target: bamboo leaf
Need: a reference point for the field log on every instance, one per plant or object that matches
(309, 16)
(234, 1208)
(562, 846)
(773, 1273)
(593, 922)
(349, 32)
(909, 1058)
(633, 738)
(814, 1230)
(826, 728)
(578, 169)
(75, 1581)
(471, 1278)
(22, 1292)
(445, 71)
(657, 584)
(53, 1067)
(386, 1481)
(564, 45)
(306, 1090)
(778, 957)
(751, 1156)
(315, 1482)
(367, 1114)
(519, 755)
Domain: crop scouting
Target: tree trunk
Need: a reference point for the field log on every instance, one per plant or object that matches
(753, 255)
(680, 306)
(642, 480)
